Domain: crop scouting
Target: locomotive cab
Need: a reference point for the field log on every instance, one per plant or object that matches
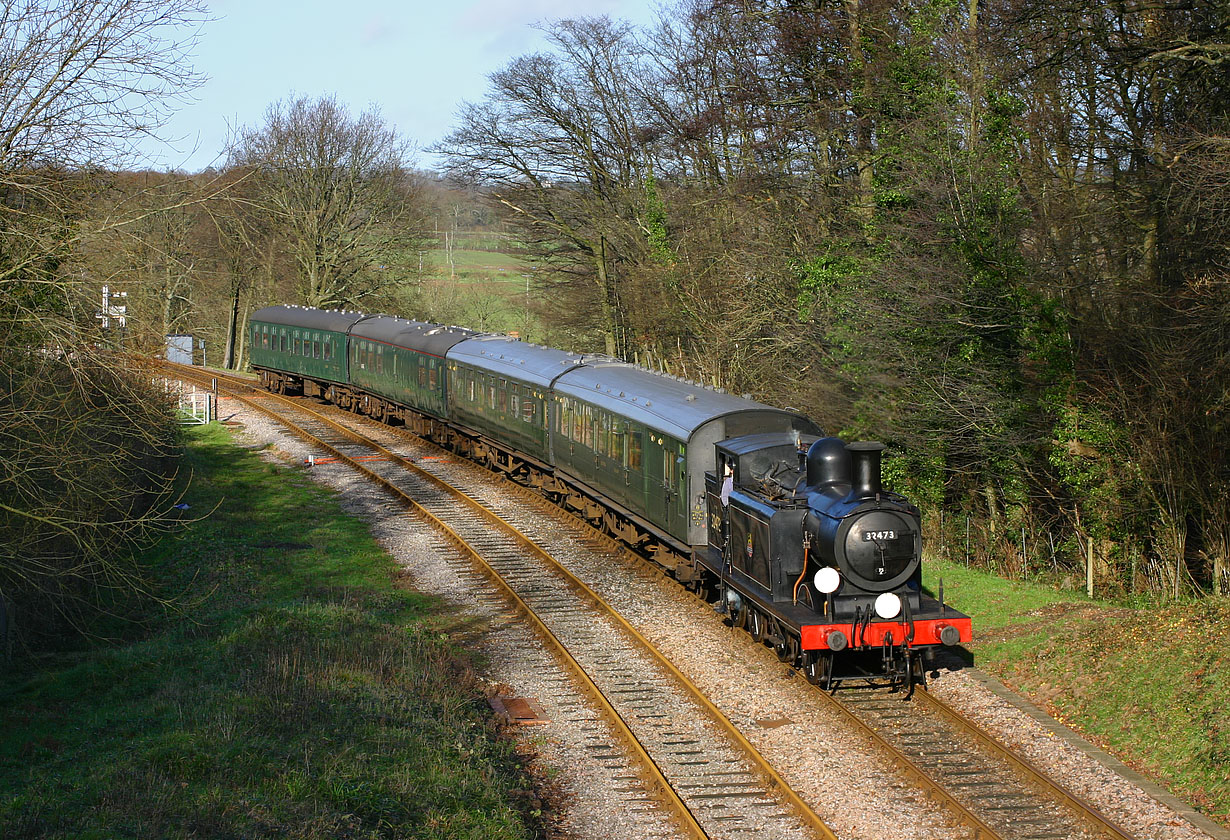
(756, 521)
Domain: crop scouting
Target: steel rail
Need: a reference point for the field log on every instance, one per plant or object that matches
(775, 781)
(934, 789)
(1034, 777)
(657, 780)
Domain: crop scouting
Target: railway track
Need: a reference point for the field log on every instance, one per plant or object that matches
(992, 789)
(692, 758)
(992, 792)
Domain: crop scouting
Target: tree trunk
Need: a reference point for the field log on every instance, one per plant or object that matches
(168, 298)
(992, 508)
(610, 303)
(865, 204)
(232, 322)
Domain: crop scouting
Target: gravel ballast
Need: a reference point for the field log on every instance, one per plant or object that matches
(847, 782)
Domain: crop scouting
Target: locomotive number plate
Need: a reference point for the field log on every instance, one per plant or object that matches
(876, 536)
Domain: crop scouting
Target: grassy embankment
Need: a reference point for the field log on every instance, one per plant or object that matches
(1149, 683)
(302, 692)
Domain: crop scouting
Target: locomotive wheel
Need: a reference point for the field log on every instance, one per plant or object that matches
(756, 625)
(817, 666)
(789, 649)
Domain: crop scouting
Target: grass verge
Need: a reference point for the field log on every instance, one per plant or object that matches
(1149, 683)
(301, 692)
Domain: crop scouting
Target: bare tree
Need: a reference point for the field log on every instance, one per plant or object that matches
(340, 191)
(82, 442)
(558, 143)
(80, 79)
(80, 82)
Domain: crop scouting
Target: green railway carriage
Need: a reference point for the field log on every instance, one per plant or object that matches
(641, 440)
(403, 361)
(307, 343)
(501, 387)
(646, 440)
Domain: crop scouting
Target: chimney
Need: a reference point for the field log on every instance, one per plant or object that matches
(865, 456)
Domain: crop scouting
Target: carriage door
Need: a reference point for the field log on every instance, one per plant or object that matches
(670, 483)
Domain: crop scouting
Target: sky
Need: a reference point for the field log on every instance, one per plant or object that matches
(416, 60)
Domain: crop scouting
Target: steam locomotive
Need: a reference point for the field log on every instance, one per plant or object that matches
(789, 531)
(803, 538)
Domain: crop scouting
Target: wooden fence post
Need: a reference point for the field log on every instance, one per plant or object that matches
(1089, 568)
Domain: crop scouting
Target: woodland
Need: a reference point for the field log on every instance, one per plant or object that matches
(996, 238)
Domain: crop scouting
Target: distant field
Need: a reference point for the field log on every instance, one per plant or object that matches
(486, 290)
(476, 261)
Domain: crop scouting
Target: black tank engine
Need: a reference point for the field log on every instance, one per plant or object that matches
(811, 551)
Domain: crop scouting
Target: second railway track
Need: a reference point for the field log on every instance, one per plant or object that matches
(992, 793)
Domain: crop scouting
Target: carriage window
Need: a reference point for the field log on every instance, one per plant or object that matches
(328, 349)
(514, 405)
(528, 409)
(315, 348)
(491, 397)
(432, 377)
(617, 442)
(588, 428)
(422, 373)
(503, 395)
(471, 390)
(634, 451)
